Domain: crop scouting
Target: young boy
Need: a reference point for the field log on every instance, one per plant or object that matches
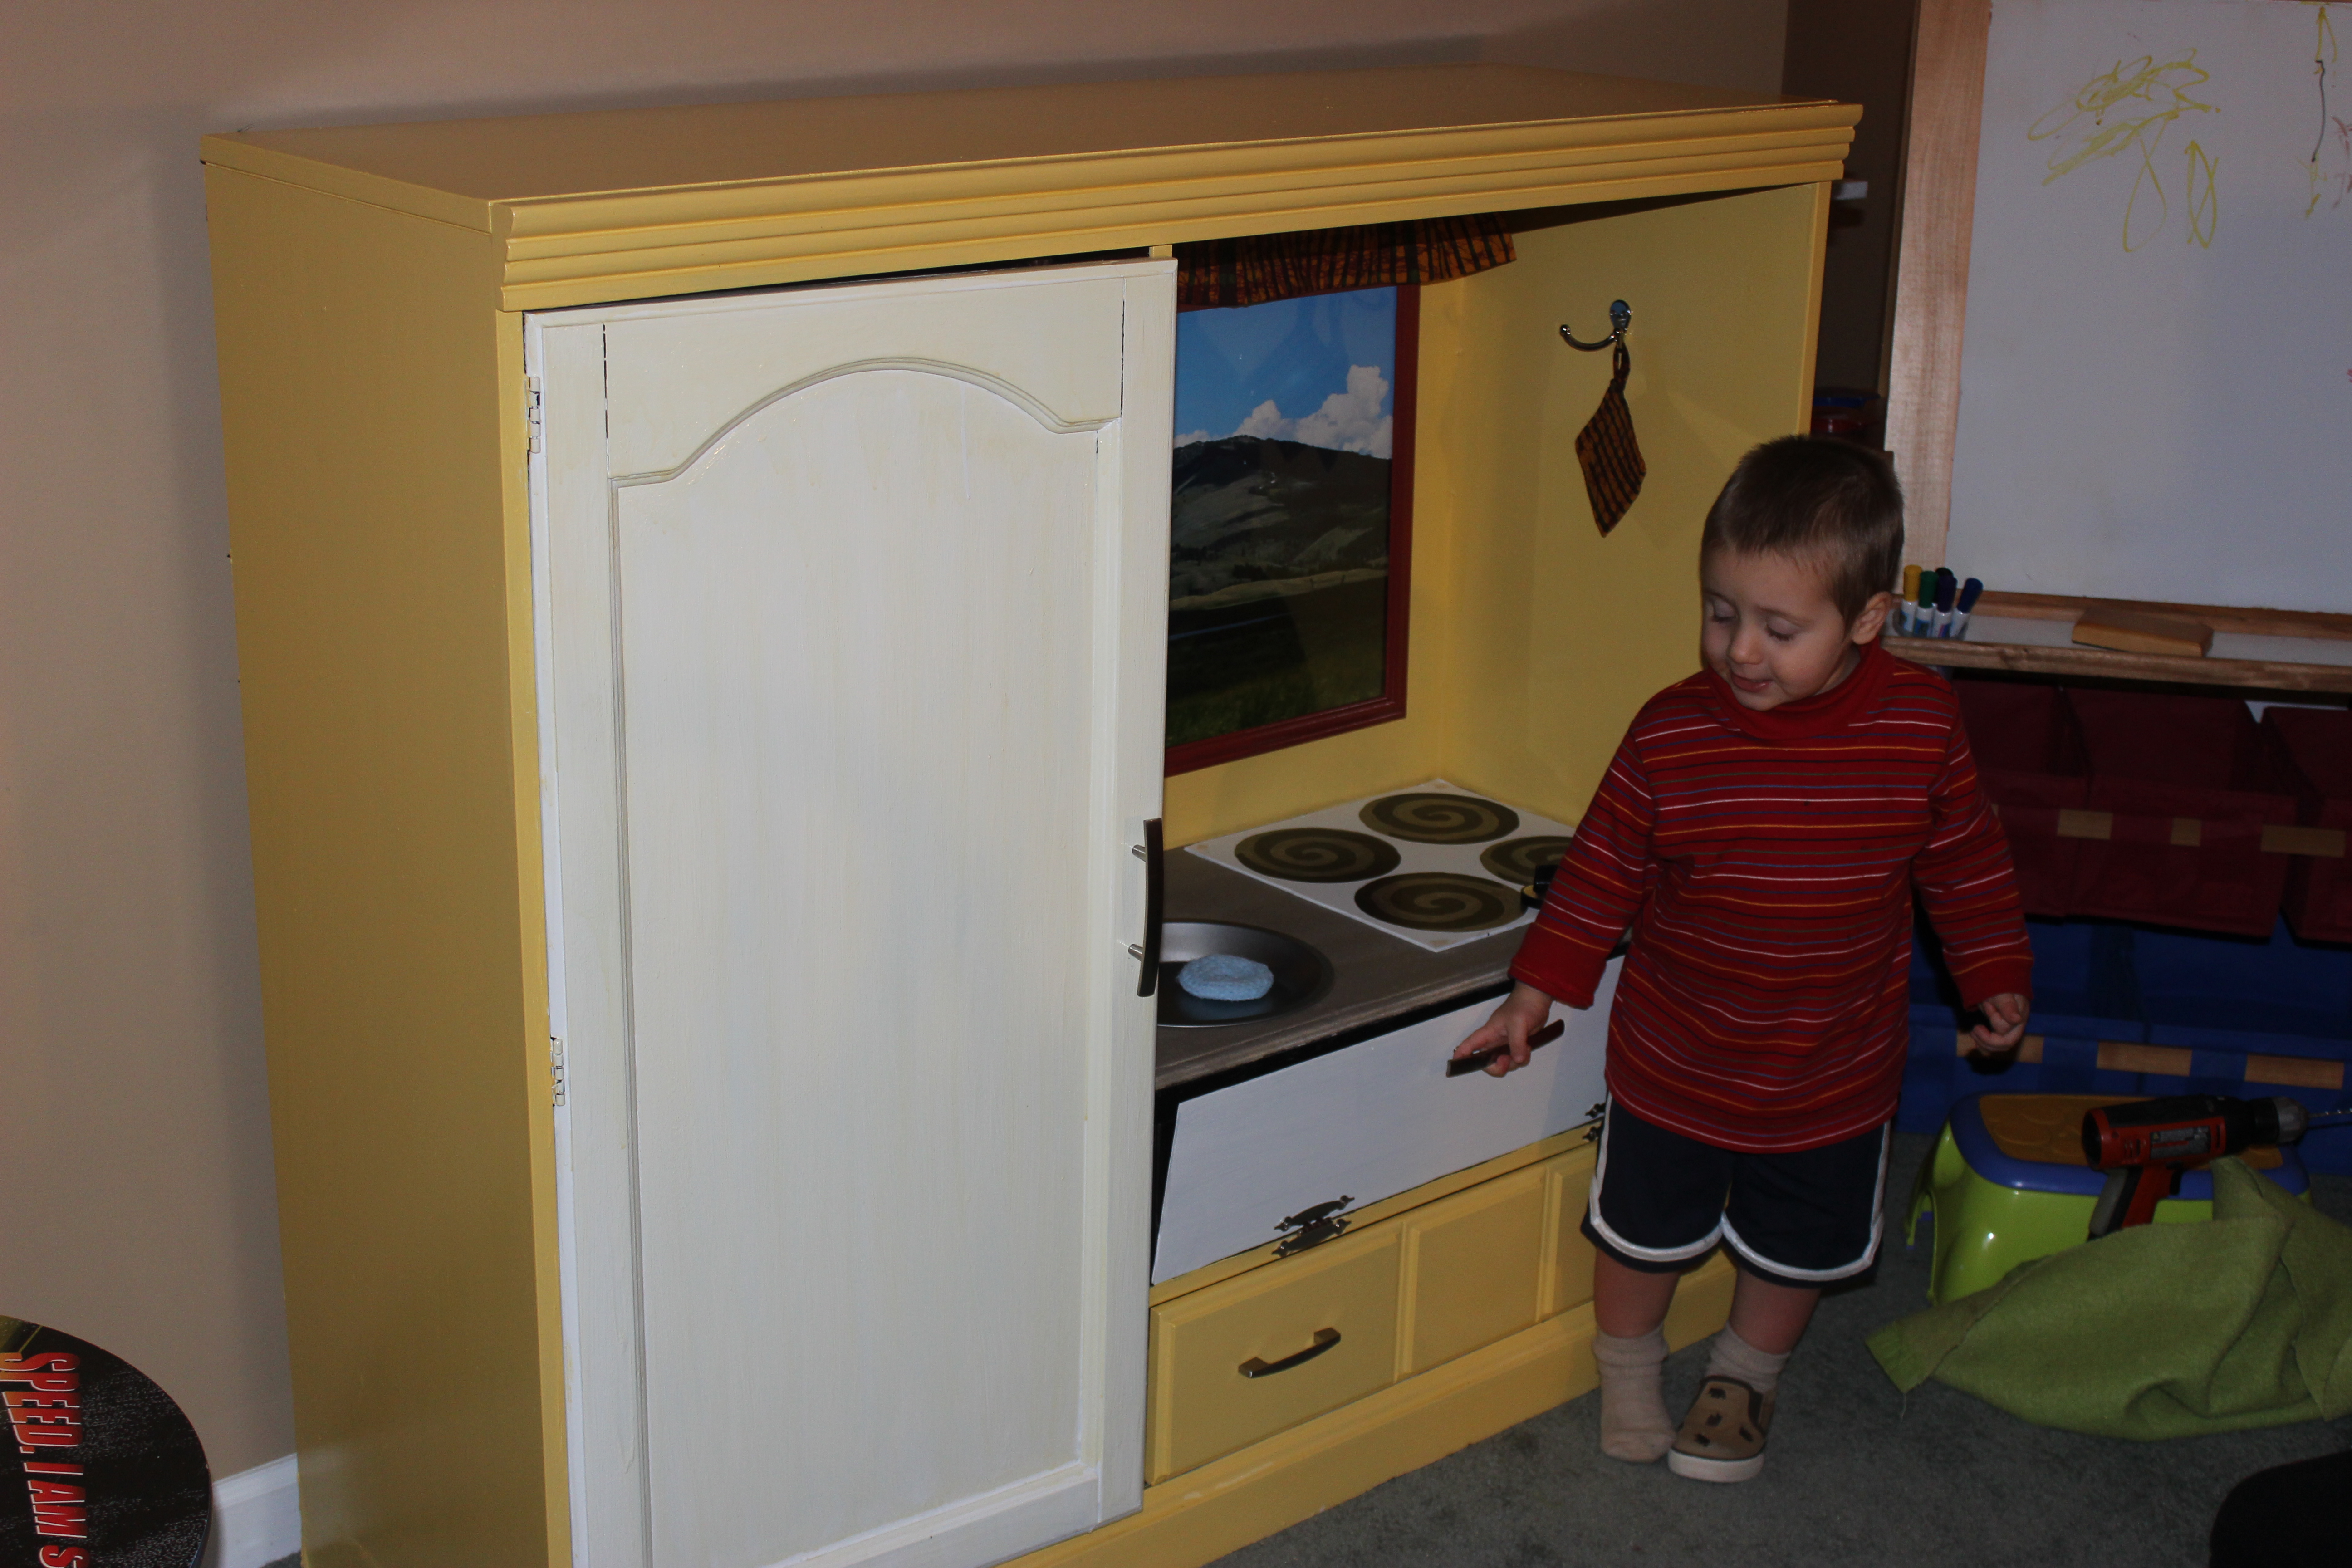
(1761, 830)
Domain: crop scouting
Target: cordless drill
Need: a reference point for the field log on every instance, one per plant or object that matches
(2146, 1145)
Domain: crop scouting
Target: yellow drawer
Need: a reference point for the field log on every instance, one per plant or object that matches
(1472, 1268)
(1240, 1360)
(1571, 1264)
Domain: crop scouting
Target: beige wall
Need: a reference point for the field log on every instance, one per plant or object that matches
(133, 1128)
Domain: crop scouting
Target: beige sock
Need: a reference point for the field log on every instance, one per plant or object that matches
(1735, 1357)
(1634, 1423)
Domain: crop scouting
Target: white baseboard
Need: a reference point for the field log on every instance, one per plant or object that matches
(256, 1517)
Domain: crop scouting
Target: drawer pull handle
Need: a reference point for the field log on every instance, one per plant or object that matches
(1324, 1340)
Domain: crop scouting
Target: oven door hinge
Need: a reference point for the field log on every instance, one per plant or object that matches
(555, 1064)
(531, 413)
(1312, 1227)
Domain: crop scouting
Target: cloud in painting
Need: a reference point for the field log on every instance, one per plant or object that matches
(1192, 438)
(1349, 421)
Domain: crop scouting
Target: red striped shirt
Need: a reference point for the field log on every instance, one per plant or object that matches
(1765, 862)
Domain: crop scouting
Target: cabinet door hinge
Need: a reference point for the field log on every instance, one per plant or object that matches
(555, 1064)
(531, 413)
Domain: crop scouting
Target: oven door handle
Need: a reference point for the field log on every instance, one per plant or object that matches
(1476, 1060)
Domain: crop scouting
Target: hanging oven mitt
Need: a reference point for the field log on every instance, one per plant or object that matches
(1607, 451)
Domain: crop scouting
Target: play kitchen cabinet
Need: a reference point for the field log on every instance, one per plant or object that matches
(699, 584)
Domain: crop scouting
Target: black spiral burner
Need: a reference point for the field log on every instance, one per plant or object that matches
(1317, 855)
(1425, 816)
(1439, 901)
(1516, 861)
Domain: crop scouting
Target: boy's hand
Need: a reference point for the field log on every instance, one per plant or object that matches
(2004, 1025)
(1523, 1012)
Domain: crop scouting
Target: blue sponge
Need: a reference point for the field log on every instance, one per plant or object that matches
(1226, 977)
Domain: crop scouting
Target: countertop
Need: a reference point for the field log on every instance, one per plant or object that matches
(1375, 975)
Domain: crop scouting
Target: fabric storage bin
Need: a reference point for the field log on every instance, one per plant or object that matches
(2282, 997)
(2250, 1018)
(1934, 1074)
(2029, 755)
(1933, 1077)
(2191, 785)
(2314, 748)
(2083, 993)
(1926, 1087)
(2082, 981)
(2073, 1064)
(1937, 1076)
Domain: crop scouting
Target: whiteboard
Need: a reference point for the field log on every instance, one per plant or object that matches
(2156, 385)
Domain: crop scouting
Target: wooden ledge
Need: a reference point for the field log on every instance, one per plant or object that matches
(2187, 669)
(2092, 663)
(2221, 617)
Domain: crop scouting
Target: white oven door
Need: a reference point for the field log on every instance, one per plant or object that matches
(852, 623)
(1364, 1123)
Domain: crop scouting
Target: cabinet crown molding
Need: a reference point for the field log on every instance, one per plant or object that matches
(634, 203)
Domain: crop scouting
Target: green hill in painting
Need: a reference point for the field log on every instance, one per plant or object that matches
(1252, 510)
(1278, 576)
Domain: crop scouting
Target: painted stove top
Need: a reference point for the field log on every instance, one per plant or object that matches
(1434, 865)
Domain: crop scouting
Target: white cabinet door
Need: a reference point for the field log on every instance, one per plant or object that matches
(852, 615)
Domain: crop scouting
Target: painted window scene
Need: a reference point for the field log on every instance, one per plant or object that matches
(1279, 558)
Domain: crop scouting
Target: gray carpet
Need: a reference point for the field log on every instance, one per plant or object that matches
(1858, 1475)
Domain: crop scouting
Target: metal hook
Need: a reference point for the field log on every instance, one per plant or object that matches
(1621, 316)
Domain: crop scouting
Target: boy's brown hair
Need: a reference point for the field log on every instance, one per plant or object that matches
(1810, 497)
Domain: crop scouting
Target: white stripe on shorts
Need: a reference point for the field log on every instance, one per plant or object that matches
(1844, 1270)
(1646, 1254)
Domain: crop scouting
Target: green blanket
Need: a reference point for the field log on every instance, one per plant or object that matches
(2161, 1331)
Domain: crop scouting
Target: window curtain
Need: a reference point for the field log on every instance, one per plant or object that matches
(1218, 274)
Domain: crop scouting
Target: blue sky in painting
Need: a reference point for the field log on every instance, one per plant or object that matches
(1320, 370)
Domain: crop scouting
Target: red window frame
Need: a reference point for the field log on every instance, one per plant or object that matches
(1390, 705)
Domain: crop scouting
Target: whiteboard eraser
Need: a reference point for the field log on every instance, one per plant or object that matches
(2142, 631)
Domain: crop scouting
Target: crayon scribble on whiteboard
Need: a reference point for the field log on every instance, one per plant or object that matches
(2331, 146)
(2130, 109)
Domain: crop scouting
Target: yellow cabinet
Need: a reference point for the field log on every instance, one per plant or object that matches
(376, 292)
(1474, 1268)
(1240, 1360)
(1568, 1267)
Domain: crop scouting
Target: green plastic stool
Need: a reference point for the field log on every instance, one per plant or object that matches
(2008, 1185)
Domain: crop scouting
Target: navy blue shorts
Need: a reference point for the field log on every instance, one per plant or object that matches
(1661, 1201)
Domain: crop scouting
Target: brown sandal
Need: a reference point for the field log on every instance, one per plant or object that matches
(1722, 1438)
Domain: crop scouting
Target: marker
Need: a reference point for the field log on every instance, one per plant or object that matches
(1903, 616)
(1968, 600)
(1923, 615)
(1946, 585)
